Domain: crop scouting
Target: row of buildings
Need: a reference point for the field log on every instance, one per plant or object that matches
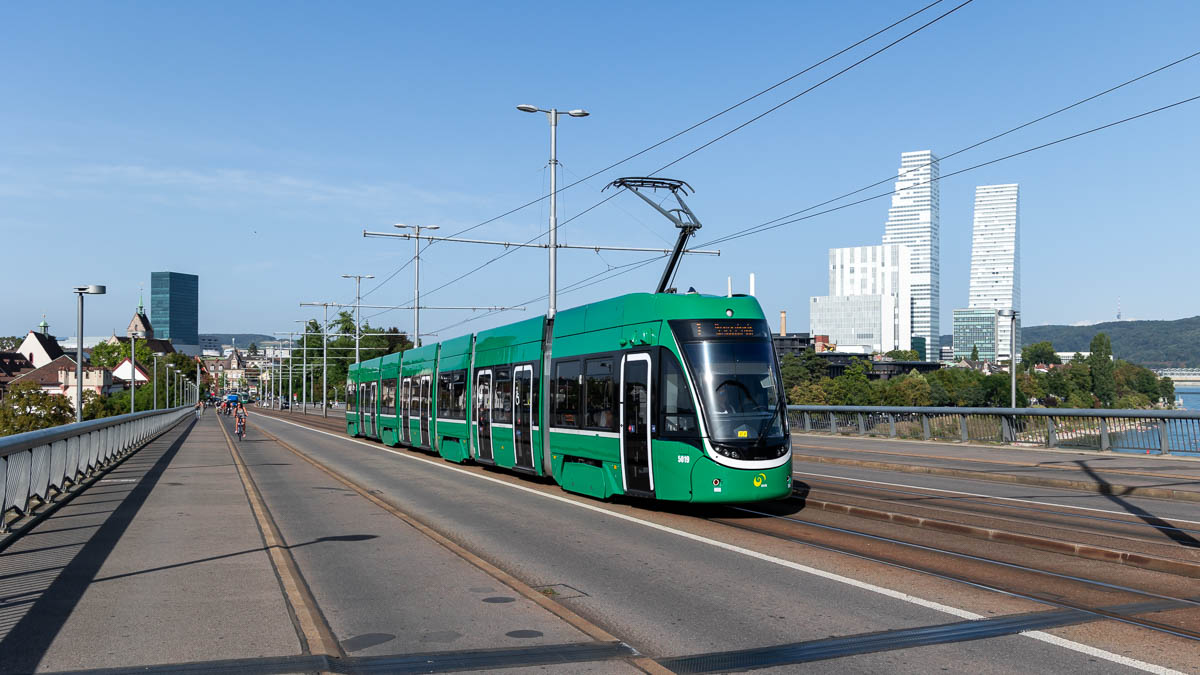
(887, 296)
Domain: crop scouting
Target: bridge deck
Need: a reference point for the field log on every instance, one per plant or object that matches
(164, 562)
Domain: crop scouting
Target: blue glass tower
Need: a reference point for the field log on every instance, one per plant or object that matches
(175, 307)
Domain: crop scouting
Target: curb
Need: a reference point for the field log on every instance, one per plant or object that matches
(1086, 486)
(1088, 551)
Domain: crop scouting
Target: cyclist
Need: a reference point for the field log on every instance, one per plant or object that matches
(240, 416)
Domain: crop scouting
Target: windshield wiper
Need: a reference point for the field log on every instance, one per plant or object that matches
(767, 427)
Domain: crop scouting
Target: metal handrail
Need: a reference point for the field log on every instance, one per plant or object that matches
(32, 439)
(1152, 431)
(37, 465)
(1032, 412)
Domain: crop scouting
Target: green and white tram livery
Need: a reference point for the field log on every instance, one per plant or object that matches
(661, 396)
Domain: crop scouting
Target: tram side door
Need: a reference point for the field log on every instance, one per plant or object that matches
(371, 412)
(483, 414)
(362, 404)
(523, 415)
(404, 395)
(636, 472)
(425, 401)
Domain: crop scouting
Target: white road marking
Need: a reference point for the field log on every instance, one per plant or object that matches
(888, 592)
(976, 494)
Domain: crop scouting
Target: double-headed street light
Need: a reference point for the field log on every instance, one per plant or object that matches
(552, 114)
(81, 291)
(1011, 315)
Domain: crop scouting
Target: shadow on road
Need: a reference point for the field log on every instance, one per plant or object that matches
(1176, 534)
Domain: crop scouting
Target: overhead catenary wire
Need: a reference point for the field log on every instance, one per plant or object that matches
(672, 137)
(772, 224)
(717, 138)
(991, 138)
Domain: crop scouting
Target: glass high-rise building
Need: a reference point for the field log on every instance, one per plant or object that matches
(996, 260)
(913, 220)
(175, 307)
(975, 330)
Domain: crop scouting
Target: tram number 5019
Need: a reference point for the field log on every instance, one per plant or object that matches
(685, 459)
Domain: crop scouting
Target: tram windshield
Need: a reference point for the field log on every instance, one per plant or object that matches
(733, 364)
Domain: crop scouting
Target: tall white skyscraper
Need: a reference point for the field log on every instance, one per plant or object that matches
(868, 303)
(913, 222)
(996, 258)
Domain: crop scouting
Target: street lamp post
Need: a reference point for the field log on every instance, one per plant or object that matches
(133, 336)
(169, 382)
(357, 310)
(1011, 315)
(156, 355)
(552, 115)
(81, 291)
(416, 336)
(304, 368)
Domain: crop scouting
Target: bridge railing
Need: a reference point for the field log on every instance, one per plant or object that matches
(1150, 431)
(36, 465)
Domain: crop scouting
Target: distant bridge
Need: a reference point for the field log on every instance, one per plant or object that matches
(1180, 375)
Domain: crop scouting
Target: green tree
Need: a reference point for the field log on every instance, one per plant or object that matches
(25, 407)
(8, 344)
(791, 371)
(809, 393)
(1104, 383)
(1039, 353)
(853, 387)
(105, 355)
(1079, 399)
(1166, 390)
(907, 390)
(902, 354)
(974, 352)
(253, 351)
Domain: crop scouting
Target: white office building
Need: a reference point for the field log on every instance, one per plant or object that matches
(868, 303)
(913, 222)
(996, 260)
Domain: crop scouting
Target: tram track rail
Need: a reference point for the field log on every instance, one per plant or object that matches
(1160, 601)
(1089, 602)
(1011, 589)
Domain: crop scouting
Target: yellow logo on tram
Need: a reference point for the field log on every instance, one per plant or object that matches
(760, 479)
(743, 434)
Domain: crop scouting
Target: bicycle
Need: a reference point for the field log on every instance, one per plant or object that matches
(240, 428)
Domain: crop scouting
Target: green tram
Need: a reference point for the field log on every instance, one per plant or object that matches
(660, 396)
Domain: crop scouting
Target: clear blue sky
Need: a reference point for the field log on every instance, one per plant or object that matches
(251, 143)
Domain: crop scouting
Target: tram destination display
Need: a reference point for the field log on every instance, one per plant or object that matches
(716, 329)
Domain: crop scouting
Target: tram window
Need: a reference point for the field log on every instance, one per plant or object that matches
(387, 402)
(600, 395)
(566, 394)
(414, 397)
(675, 400)
(502, 412)
(451, 394)
(350, 397)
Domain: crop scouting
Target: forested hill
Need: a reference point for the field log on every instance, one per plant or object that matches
(1154, 344)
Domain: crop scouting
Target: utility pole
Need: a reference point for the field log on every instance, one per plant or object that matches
(357, 307)
(416, 276)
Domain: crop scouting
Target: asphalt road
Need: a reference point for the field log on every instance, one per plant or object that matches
(663, 580)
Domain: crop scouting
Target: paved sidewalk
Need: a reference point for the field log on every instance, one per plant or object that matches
(1108, 473)
(160, 561)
